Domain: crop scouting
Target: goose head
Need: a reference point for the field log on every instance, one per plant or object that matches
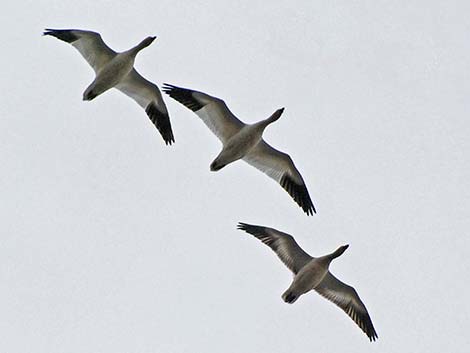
(276, 115)
(264, 123)
(89, 95)
(340, 251)
(144, 44)
(216, 166)
(147, 41)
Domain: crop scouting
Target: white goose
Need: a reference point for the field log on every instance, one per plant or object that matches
(117, 70)
(244, 141)
(313, 273)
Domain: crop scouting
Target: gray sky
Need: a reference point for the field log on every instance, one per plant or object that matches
(113, 242)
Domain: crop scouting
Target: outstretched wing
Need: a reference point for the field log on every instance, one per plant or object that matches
(88, 43)
(213, 111)
(283, 244)
(347, 299)
(148, 96)
(280, 167)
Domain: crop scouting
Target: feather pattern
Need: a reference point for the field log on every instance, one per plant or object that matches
(212, 111)
(280, 167)
(283, 244)
(348, 300)
(89, 44)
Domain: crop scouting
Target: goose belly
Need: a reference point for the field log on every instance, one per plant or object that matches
(113, 73)
(238, 146)
(309, 277)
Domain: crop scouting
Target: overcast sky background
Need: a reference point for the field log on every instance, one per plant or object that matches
(113, 242)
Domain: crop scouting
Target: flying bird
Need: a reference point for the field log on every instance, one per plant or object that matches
(313, 273)
(245, 142)
(117, 70)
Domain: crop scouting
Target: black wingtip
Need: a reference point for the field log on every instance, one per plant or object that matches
(256, 231)
(365, 323)
(66, 35)
(249, 228)
(161, 121)
(47, 32)
(372, 335)
(299, 193)
(182, 95)
(243, 226)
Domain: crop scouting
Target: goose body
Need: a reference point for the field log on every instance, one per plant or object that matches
(312, 273)
(116, 70)
(242, 142)
(245, 142)
(110, 75)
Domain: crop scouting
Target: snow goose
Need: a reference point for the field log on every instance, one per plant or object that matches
(244, 141)
(313, 273)
(117, 70)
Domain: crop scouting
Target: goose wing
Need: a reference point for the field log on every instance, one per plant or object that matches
(148, 96)
(213, 111)
(347, 299)
(88, 43)
(283, 244)
(280, 167)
